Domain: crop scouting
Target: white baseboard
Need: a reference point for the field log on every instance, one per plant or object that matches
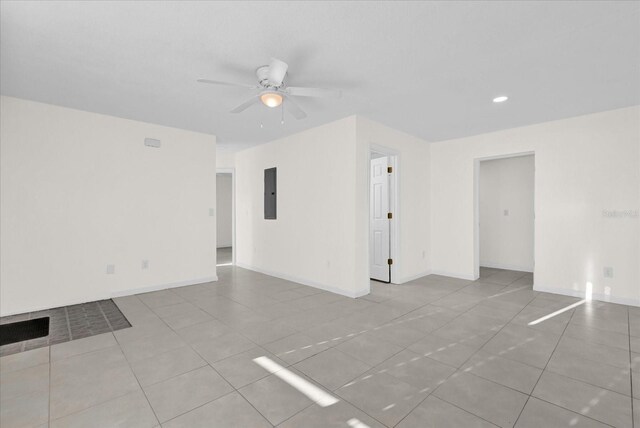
(595, 296)
(304, 281)
(412, 277)
(468, 277)
(121, 293)
(165, 286)
(506, 266)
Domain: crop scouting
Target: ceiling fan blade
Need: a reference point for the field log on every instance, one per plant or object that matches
(218, 82)
(277, 71)
(314, 92)
(245, 105)
(293, 108)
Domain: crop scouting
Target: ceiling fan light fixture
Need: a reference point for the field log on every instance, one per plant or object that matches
(500, 99)
(273, 90)
(271, 99)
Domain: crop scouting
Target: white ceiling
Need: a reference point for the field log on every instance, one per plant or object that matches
(428, 68)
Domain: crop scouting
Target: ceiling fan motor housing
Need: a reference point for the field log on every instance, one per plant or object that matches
(263, 77)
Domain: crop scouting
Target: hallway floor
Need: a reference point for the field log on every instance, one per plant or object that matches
(256, 351)
(224, 256)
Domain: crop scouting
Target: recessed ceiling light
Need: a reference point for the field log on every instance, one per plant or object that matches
(500, 99)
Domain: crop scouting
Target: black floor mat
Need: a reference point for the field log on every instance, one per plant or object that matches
(67, 323)
(24, 330)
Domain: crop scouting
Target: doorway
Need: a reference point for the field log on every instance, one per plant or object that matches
(505, 215)
(225, 224)
(382, 215)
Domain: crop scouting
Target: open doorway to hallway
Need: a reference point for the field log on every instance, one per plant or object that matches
(225, 218)
(506, 218)
(382, 215)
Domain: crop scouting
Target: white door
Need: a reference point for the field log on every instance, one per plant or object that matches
(379, 221)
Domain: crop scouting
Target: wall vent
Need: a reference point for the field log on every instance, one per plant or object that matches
(152, 142)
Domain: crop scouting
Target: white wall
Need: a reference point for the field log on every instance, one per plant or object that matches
(313, 240)
(224, 210)
(414, 258)
(321, 236)
(584, 165)
(506, 240)
(225, 160)
(80, 191)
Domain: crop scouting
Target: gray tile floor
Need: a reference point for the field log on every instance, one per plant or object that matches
(436, 352)
(224, 255)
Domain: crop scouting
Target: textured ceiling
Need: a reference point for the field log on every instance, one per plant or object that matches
(428, 68)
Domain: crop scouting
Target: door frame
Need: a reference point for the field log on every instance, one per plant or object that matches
(476, 206)
(394, 205)
(231, 171)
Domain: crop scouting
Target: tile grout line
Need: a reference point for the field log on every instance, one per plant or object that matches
(49, 396)
(82, 354)
(105, 316)
(406, 348)
(471, 356)
(90, 407)
(341, 398)
(237, 390)
(216, 399)
(291, 365)
(332, 347)
(137, 380)
(261, 347)
(131, 368)
(589, 383)
(229, 383)
(633, 422)
(368, 331)
(573, 312)
(462, 365)
(430, 303)
(167, 351)
(205, 360)
(571, 411)
(66, 317)
(140, 385)
(397, 317)
(557, 373)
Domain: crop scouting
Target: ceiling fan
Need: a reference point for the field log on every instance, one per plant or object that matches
(273, 90)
